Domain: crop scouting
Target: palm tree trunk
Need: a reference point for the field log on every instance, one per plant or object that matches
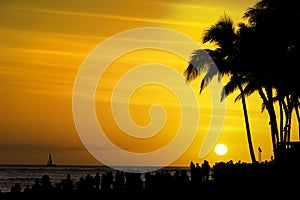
(298, 117)
(273, 123)
(286, 112)
(272, 115)
(281, 121)
(252, 154)
(288, 115)
(290, 110)
(289, 126)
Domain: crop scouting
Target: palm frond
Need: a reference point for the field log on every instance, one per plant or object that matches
(200, 61)
(191, 73)
(211, 72)
(221, 33)
(229, 88)
(250, 88)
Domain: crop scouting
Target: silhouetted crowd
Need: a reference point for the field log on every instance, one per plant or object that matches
(222, 177)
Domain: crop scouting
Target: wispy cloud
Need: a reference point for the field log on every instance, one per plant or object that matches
(112, 16)
(31, 148)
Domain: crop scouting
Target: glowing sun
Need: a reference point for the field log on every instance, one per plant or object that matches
(220, 149)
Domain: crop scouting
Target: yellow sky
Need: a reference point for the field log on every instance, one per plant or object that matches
(43, 45)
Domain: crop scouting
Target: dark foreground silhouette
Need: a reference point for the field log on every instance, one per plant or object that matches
(224, 179)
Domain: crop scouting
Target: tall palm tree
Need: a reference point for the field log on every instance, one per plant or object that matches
(275, 44)
(226, 57)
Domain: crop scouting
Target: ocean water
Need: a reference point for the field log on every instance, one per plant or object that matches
(25, 174)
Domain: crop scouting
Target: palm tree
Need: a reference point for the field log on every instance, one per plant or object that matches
(226, 57)
(275, 44)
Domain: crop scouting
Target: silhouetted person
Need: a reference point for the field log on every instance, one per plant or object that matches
(81, 185)
(67, 184)
(192, 172)
(107, 181)
(205, 170)
(149, 179)
(198, 174)
(110, 179)
(36, 187)
(89, 182)
(119, 181)
(46, 185)
(97, 181)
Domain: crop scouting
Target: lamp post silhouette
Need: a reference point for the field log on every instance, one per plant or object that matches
(259, 154)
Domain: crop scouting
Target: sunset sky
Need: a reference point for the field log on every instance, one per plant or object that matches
(43, 45)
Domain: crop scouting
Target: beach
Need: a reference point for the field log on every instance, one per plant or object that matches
(25, 174)
(255, 180)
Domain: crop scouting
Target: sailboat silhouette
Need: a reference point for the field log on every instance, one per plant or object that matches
(50, 162)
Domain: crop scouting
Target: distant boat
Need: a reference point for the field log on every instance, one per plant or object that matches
(50, 162)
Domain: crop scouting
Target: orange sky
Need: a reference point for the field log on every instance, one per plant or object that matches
(43, 45)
